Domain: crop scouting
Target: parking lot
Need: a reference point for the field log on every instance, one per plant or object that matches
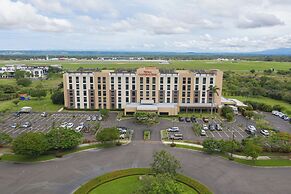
(43, 124)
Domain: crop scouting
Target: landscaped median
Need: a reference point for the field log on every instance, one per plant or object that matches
(10, 157)
(92, 185)
(267, 160)
(146, 135)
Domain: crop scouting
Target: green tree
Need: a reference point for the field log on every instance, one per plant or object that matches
(5, 139)
(19, 74)
(63, 139)
(159, 184)
(104, 113)
(165, 163)
(252, 149)
(107, 135)
(38, 93)
(23, 82)
(30, 144)
(58, 97)
(252, 71)
(211, 145)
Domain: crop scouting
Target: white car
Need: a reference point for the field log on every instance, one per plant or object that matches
(122, 130)
(205, 127)
(26, 125)
(122, 136)
(64, 124)
(202, 132)
(280, 114)
(252, 128)
(99, 118)
(88, 118)
(265, 132)
(70, 125)
(173, 129)
(275, 112)
(94, 118)
(44, 114)
(79, 128)
(14, 125)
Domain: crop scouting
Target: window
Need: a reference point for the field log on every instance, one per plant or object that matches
(77, 86)
(197, 87)
(84, 79)
(85, 93)
(168, 87)
(104, 79)
(189, 80)
(119, 87)
(204, 87)
(147, 80)
(197, 80)
(78, 93)
(70, 79)
(184, 80)
(126, 80)
(112, 86)
(204, 80)
(211, 80)
(99, 80)
(127, 87)
(203, 100)
(141, 80)
(85, 99)
(175, 87)
(133, 87)
(112, 80)
(77, 79)
(91, 86)
(161, 80)
(176, 80)
(133, 80)
(119, 80)
(154, 80)
(147, 87)
(161, 87)
(169, 80)
(70, 86)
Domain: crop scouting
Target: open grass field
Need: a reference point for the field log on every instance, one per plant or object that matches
(265, 100)
(128, 185)
(174, 64)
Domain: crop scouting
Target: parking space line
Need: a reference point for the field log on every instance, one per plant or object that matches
(225, 133)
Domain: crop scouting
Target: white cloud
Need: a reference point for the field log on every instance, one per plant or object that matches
(259, 20)
(24, 16)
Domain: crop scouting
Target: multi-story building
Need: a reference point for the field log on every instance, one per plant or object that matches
(145, 89)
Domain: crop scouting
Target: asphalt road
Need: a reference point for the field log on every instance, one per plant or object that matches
(66, 174)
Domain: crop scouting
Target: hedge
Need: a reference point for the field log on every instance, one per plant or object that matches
(92, 184)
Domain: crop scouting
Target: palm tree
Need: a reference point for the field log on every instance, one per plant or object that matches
(214, 90)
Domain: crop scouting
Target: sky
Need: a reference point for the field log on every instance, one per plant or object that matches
(145, 25)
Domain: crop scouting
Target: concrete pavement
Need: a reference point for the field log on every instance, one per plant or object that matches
(66, 174)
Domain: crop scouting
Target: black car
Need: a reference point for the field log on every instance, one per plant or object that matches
(188, 119)
(211, 127)
(205, 119)
(193, 119)
(181, 119)
(17, 114)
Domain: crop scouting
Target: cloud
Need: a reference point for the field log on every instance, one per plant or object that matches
(20, 15)
(259, 20)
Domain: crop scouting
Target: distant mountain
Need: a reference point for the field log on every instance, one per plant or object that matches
(279, 51)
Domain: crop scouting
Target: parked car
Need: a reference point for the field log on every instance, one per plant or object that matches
(181, 119)
(14, 125)
(193, 119)
(177, 136)
(88, 118)
(205, 119)
(70, 125)
(79, 128)
(285, 117)
(218, 127)
(94, 118)
(26, 125)
(44, 114)
(17, 114)
(280, 114)
(275, 112)
(122, 136)
(211, 127)
(99, 118)
(251, 130)
(26, 109)
(187, 119)
(265, 132)
(202, 132)
(122, 130)
(173, 129)
(64, 124)
(205, 127)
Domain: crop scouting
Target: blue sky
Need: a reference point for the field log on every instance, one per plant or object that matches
(151, 25)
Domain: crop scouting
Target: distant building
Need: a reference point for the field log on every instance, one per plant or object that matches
(149, 89)
(8, 71)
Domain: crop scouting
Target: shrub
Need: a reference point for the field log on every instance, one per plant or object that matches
(260, 106)
(227, 112)
(57, 97)
(5, 139)
(107, 135)
(211, 145)
(30, 144)
(63, 138)
(23, 82)
(229, 116)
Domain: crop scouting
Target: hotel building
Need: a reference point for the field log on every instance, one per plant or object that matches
(165, 92)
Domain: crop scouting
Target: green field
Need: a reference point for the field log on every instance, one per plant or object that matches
(174, 64)
(128, 185)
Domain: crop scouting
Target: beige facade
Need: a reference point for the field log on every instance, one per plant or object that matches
(146, 89)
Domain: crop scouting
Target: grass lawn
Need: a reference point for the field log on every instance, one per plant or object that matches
(189, 147)
(43, 105)
(147, 135)
(265, 100)
(271, 162)
(128, 185)
(174, 64)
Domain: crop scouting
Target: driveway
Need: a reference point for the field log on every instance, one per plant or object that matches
(66, 174)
